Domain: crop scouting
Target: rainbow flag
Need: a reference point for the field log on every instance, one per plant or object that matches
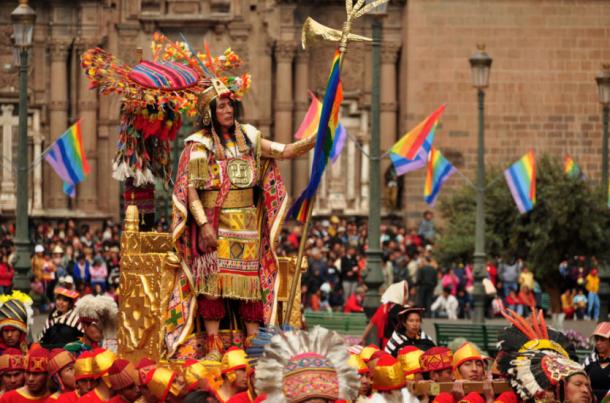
(329, 120)
(521, 179)
(403, 165)
(437, 172)
(410, 144)
(310, 123)
(67, 158)
(570, 168)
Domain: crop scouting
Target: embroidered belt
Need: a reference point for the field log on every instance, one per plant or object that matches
(235, 199)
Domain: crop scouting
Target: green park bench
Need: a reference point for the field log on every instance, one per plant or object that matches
(484, 336)
(352, 324)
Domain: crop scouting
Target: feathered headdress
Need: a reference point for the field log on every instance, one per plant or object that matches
(533, 372)
(298, 365)
(535, 357)
(154, 94)
(100, 310)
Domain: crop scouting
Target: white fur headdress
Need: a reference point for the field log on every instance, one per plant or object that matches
(298, 366)
(101, 310)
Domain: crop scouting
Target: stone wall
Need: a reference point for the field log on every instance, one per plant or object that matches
(542, 90)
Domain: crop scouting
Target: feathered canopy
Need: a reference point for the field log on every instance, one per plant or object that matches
(154, 95)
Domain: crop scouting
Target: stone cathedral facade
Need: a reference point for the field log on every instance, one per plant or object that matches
(542, 93)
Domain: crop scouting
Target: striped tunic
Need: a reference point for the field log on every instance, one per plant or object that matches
(399, 340)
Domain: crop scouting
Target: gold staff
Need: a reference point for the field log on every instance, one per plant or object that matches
(315, 32)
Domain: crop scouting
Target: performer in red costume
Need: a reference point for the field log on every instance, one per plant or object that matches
(36, 379)
(12, 368)
(125, 382)
(61, 370)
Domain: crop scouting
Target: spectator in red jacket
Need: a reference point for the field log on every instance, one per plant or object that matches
(354, 302)
(6, 275)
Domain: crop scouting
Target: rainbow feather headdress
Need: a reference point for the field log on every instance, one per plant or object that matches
(154, 95)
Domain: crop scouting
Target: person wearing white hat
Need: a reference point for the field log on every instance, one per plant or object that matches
(38, 262)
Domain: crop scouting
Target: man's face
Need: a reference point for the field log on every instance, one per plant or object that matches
(365, 384)
(578, 389)
(13, 379)
(67, 376)
(131, 393)
(84, 386)
(472, 370)
(224, 113)
(444, 375)
(36, 382)
(11, 336)
(93, 332)
(241, 381)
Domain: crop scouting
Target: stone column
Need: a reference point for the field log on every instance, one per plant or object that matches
(301, 89)
(54, 196)
(284, 53)
(37, 140)
(87, 195)
(389, 105)
(7, 185)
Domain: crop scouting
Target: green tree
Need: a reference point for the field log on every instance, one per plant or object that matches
(571, 217)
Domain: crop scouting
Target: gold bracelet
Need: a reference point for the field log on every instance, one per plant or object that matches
(198, 213)
(304, 145)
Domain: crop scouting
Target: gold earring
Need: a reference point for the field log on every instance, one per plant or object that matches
(207, 118)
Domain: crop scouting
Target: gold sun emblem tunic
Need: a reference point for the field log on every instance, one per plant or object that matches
(237, 255)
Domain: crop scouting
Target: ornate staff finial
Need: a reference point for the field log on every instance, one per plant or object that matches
(313, 31)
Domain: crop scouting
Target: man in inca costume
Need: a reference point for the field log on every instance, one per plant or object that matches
(229, 202)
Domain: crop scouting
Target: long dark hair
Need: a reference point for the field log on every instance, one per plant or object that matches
(237, 114)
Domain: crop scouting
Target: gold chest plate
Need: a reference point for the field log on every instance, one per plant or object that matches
(240, 173)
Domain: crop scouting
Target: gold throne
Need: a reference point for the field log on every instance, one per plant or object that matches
(148, 268)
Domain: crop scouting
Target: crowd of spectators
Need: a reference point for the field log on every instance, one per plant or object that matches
(336, 254)
(87, 259)
(81, 257)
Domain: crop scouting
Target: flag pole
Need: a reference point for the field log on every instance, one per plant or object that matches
(353, 11)
(296, 278)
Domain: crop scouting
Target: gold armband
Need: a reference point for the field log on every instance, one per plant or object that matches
(304, 145)
(198, 212)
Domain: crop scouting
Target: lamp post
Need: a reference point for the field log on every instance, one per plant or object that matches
(374, 276)
(480, 64)
(603, 86)
(23, 18)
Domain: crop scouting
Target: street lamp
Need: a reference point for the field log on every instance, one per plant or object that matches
(603, 87)
(480, 64)
(23, 18)
(374, 276)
